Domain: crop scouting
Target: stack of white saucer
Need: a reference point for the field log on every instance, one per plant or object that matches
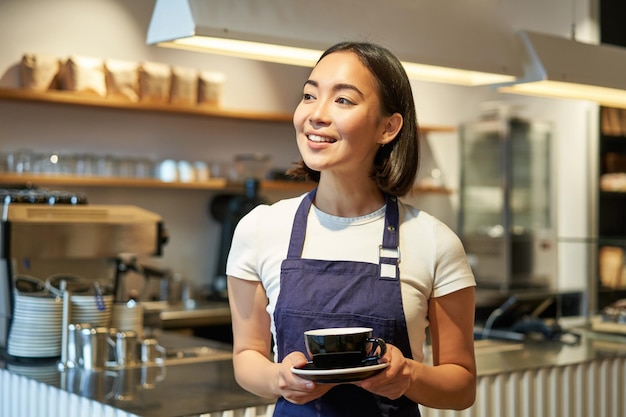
(89, 309)
(89, 304)
(36, 327)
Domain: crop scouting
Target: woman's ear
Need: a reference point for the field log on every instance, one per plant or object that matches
(392, 126)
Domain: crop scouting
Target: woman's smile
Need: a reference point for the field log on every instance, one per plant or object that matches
(320, 139)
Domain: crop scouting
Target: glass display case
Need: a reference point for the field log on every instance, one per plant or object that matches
(505, 218)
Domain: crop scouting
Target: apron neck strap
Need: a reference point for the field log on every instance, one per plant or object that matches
(298, 230)
(389, 251)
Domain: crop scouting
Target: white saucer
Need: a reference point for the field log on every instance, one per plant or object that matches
(337, 376)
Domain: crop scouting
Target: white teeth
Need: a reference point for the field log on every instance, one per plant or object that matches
(319, 139)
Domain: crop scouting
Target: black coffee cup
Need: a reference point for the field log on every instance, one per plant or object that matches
(343, 347)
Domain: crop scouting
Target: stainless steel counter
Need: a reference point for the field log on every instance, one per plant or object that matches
(201, 386)
(494, 356)
(182, 386)
(161, 315)
(189, 390)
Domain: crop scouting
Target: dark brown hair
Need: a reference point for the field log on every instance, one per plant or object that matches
(396, 163)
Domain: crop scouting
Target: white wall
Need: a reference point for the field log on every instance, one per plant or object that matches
(117, 28)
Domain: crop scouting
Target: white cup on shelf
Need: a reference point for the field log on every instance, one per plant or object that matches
(168, 170)
(186, 171)
(202, 170)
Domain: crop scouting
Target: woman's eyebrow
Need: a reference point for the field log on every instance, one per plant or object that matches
(337, 87)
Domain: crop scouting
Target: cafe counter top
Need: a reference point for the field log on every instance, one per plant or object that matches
(205, 386)
(189, 383)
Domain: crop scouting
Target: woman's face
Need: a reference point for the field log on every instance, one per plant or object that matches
(338, 123)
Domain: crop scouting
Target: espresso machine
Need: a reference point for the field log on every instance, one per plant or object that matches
(42, 235)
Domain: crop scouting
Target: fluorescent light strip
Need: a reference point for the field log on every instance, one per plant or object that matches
(246, 49)
(452, 75)
(609, 97)
(308, 57)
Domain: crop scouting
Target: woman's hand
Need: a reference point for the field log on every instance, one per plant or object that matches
(394, 380)
(295, 389)
(450, 383)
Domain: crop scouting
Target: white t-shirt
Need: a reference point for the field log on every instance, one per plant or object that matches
(433, 261)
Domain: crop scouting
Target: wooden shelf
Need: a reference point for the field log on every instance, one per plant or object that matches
(423, 189)
(47, 181)
(70, 98)
(425, 129)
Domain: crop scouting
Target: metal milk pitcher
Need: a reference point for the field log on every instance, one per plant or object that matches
(126, 351)
(96, 345)
(74, 343)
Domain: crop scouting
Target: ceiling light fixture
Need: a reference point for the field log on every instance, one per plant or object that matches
(233, 29)
(558, 67)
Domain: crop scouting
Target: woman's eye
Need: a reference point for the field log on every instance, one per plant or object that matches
(307, 96)
(343, 100)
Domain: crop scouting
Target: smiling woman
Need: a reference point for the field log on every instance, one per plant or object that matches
(316, 261)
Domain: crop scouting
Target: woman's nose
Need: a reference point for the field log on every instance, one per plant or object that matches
(319, 113)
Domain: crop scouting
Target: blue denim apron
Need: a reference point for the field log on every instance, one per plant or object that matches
(319, 293)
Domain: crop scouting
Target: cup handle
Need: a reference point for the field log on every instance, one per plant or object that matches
(377, 343)
(162, 351)
(112, 352)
